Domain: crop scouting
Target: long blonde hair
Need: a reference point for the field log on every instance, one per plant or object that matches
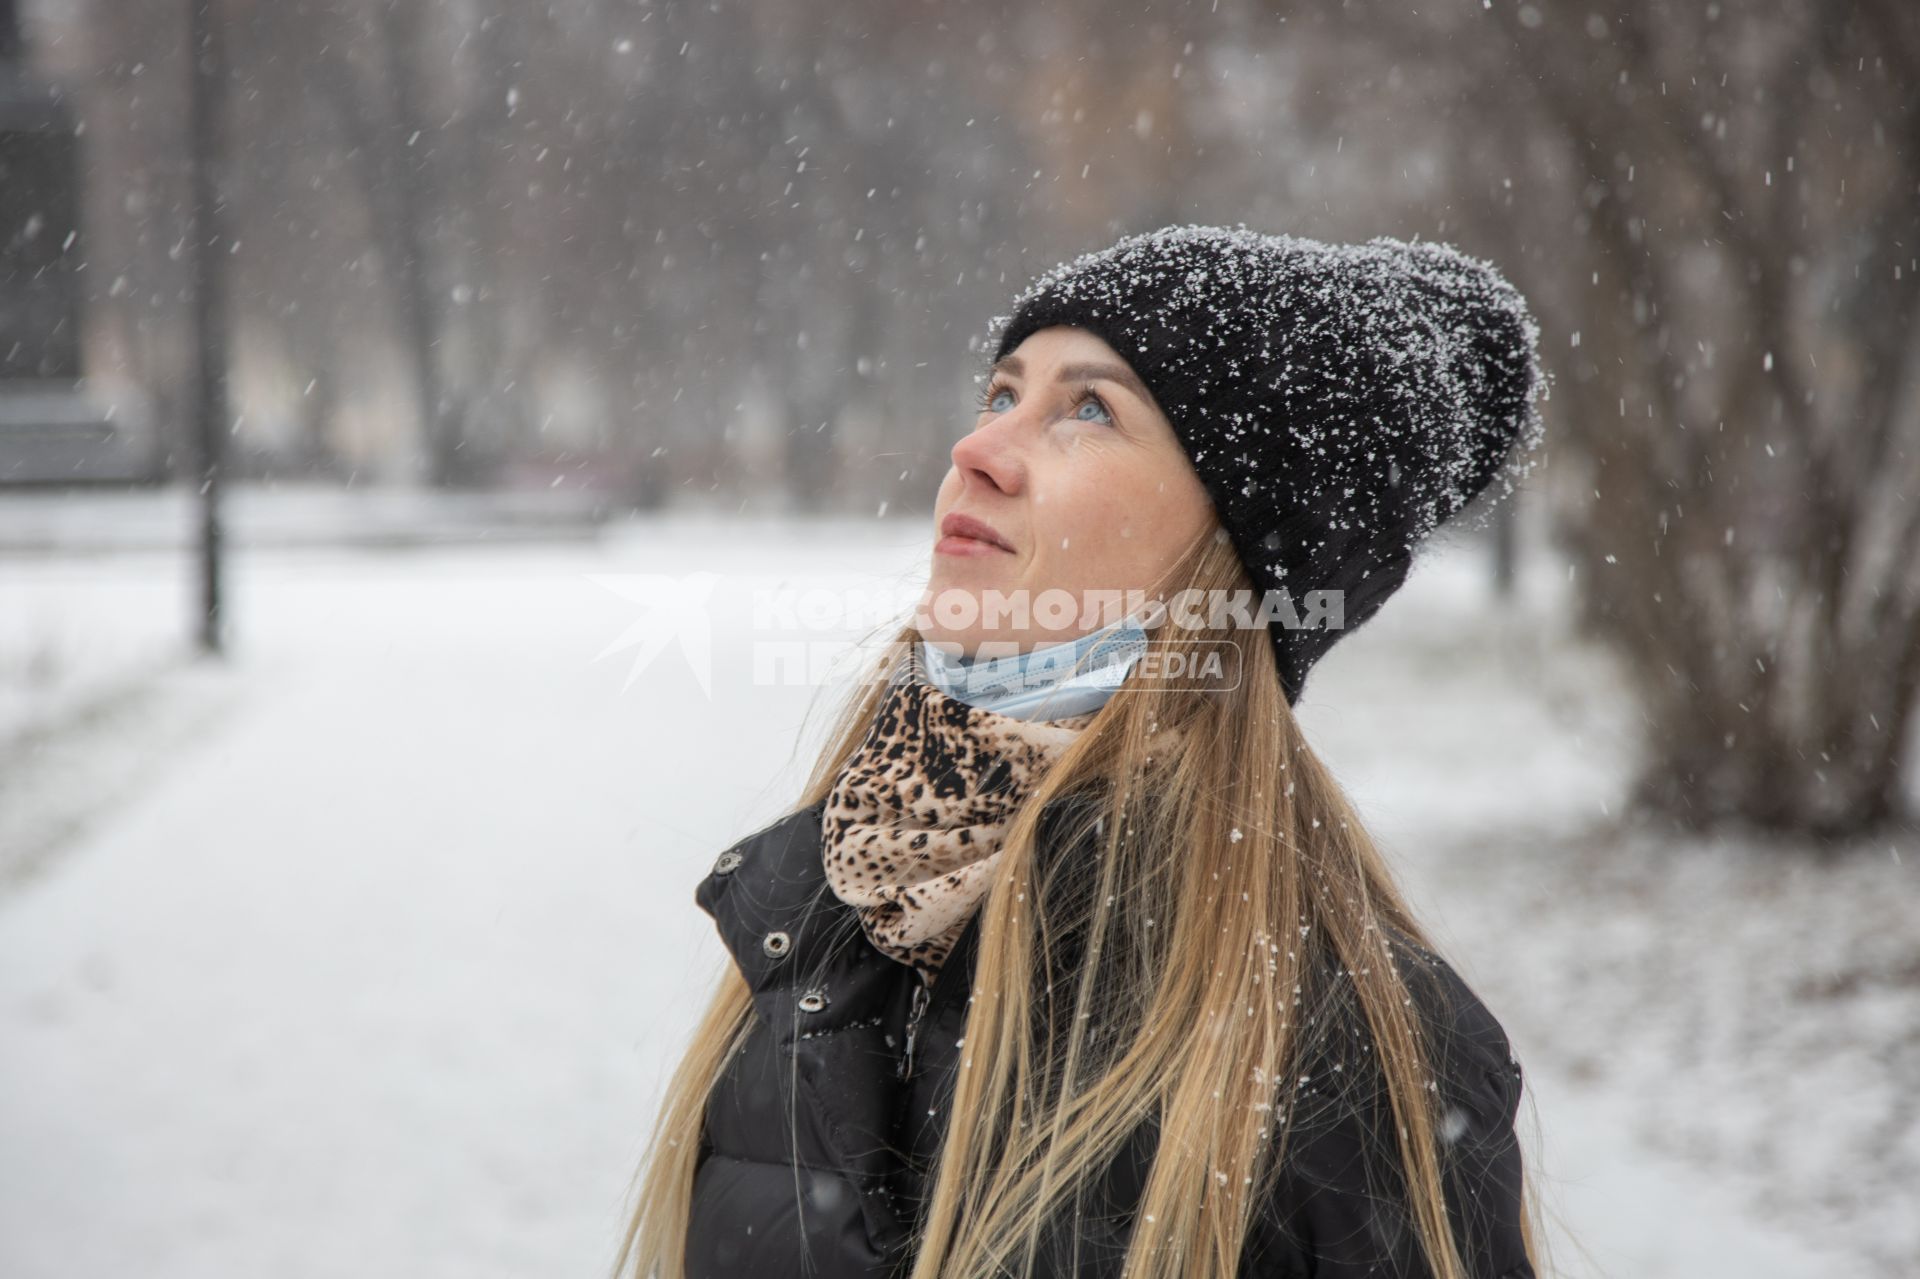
(1233, 877)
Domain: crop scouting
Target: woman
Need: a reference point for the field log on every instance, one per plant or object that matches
(1064, 966)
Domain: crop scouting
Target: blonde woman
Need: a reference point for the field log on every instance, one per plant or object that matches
(1073, 959)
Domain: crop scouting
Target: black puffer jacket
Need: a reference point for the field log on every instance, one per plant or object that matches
(816, 1152)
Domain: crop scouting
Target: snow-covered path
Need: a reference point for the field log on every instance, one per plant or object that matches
(379, 971)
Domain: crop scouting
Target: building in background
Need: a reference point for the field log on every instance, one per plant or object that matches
(52, 430)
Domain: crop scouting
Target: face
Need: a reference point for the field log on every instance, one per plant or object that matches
(1071, 480)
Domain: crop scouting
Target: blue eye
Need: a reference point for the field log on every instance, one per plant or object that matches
(1086, 398)
(1091, 401)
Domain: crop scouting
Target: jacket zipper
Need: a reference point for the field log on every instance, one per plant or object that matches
(921, 997)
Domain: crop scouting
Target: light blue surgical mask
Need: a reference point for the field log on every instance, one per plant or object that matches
(1052, 681)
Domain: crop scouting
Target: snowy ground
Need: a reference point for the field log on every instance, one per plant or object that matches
(1714, 1029)
(368, 954)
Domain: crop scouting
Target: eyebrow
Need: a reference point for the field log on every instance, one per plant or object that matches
(1075, 372)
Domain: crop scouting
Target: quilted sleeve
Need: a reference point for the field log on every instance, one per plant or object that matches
(1339, 1210)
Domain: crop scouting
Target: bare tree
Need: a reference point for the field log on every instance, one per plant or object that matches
(1753, 447)
(1741, 411)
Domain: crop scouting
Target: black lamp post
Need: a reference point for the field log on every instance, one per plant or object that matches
(209, 254)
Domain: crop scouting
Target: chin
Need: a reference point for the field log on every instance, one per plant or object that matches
(967, 575)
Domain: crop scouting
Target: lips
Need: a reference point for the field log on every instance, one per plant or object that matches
(957, 525)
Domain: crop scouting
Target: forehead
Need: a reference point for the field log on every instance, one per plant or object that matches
(1080, 361)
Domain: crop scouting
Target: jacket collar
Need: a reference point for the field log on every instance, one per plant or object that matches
(777, 915)
(770, 900)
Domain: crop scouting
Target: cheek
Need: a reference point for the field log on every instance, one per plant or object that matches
(1114, 519)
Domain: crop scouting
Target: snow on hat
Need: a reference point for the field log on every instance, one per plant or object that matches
(1339, 402)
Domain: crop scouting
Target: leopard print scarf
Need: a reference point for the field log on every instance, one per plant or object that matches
(912, 829)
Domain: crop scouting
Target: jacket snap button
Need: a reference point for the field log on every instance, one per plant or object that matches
(776, 944)
(727, 863)
(813, 1001)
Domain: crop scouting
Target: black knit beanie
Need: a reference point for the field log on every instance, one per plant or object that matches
(1338, 401)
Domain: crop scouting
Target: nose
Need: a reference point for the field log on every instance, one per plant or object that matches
(991, 454)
